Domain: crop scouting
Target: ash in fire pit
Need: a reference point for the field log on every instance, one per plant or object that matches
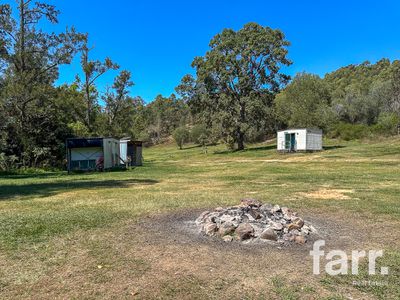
(253, 221)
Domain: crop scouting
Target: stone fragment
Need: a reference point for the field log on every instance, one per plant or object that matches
(258, 229)
(210, 228)
(298, 221)
(250, 217)
(306, 229)
(227, 219)
(299, 239)
(244, 231)
(295, 232)
(255, 214)
(269, 234)
(276, 209)
(276, 225)
(227, 238)
(266, 208)
(293, 226)
(285, 210)
(202, 217)
(312, 228)
(226, 229)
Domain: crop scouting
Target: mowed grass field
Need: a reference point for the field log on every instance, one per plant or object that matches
(80, 236)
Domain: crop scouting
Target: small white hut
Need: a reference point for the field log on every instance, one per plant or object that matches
(304, 139)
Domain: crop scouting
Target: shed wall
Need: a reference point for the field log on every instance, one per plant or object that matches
(86, 153)
(123, 151)
(111, 153)
(281, 141)
(314, 141)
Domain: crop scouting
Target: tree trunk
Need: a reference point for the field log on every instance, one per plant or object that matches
(89, 106)
(240, 133)
(240, 140)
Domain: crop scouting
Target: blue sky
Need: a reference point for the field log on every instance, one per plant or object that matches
(157, 40)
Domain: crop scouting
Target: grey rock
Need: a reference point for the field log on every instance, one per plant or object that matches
(299, 239)
(226, 229)
(298, 221)
(258, 229)
(266, 207)
(202, 217)
(269, 234)
(250, 217)
(255, 214)
(210, 228)
(227, 218)
(276, 226)
(276, 209)
(227, 238)
(244, 231)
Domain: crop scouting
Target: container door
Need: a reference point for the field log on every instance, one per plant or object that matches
(293, 142)
(287, 141)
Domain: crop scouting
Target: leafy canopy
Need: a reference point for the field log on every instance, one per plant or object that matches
(236, 80)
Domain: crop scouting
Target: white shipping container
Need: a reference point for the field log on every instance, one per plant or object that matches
(304, 139)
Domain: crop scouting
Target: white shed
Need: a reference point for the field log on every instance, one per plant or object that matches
(304, 139)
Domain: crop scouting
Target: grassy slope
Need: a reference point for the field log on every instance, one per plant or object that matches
(36, 209)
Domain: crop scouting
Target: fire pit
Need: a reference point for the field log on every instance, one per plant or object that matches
(253, 221)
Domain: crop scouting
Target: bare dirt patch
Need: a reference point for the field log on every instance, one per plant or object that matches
(213, 268)
(326, 194)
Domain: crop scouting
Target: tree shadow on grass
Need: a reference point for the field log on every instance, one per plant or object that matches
(9, 192)
(11, 175)
(255, 149)
(191, 147)
(333, 147)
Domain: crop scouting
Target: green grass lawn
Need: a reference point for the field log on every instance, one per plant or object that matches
(39, 211)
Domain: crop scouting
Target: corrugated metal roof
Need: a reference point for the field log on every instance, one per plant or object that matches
(308, 129)
(84, 143)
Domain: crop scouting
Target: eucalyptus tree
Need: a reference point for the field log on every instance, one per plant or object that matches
(30, 58)
(236, 80)
(305, 102)
(119, 106)
(92, 70)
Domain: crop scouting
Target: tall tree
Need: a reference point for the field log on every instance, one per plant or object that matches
(305, 102)
(30, 58)
(119, 106)
(237, 79)
(92, 70)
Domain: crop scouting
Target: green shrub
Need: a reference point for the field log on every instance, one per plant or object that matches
(350, 132)
(387, 124)
(198, 132)
(181, 136)
(8, 162)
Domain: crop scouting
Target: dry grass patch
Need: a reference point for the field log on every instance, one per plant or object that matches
(326, 194)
